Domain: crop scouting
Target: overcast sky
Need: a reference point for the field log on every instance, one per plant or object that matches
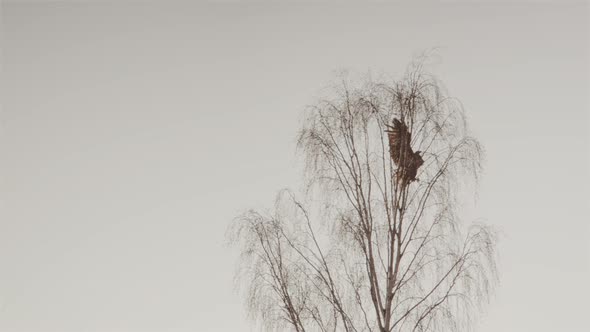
(132, 134)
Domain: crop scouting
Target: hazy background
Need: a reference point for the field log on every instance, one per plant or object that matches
(133, 133)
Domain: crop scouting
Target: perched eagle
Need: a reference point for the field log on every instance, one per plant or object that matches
(401, 152)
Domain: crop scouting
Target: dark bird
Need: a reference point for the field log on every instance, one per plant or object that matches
(406, 160)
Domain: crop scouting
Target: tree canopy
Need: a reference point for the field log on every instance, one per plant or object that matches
(371, 247)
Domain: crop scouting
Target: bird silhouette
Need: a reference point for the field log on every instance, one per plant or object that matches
(406, 160)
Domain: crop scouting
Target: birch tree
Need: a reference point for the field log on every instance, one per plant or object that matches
(364, 250)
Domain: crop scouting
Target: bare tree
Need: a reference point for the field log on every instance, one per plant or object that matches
(374, 248)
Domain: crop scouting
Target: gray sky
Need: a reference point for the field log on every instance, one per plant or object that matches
(132, 134)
